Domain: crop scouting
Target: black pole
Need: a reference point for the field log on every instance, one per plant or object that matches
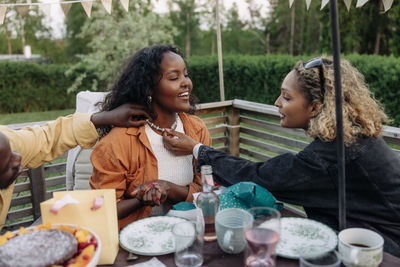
(339, 116)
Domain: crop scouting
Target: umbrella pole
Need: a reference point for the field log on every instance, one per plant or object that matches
(219, 45)
(339, 115)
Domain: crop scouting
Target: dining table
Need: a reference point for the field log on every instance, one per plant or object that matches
(214, 256)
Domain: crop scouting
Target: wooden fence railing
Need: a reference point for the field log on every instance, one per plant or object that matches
(241, 128)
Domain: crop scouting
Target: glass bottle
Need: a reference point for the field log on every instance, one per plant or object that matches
(208, 201)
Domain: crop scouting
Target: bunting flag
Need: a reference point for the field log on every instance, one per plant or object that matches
(324, 2)
(125, 4)
(87, 6)
(3, 10)
(107, 5)
(387, 4)
(308, 3)
(360, 3)
(22, 10)
(46, 9)
(65, 8)
(348, 4)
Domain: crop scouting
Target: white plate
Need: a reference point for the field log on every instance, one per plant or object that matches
(150, 236)
(301, 236)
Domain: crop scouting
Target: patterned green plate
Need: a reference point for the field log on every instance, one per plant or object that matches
(301, 236)
(150, 236)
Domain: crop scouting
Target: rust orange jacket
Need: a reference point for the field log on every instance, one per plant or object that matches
(123, 159)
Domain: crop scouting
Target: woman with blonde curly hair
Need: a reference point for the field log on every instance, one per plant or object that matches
(365, 116)
(309, 178)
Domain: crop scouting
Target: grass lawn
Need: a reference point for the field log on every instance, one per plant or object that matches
(33, 116)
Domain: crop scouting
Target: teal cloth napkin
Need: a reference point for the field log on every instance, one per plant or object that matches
(244, 195)
(183, 206)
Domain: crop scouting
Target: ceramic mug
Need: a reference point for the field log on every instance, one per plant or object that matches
(230, 225)
(360, 247)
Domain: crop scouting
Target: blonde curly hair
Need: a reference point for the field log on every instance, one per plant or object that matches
(363, 115)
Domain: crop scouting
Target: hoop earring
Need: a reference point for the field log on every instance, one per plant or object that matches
(149, 99)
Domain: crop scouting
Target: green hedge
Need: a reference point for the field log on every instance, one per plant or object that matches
(28, 86)
(253, 78)
(259, 78)
(382, 74)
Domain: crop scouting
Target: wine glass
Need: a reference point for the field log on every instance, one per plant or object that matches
(262, 237)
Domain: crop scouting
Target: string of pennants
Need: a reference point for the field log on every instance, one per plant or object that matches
(23, 8)
(387, 4)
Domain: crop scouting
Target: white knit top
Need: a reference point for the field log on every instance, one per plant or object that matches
(175, 169)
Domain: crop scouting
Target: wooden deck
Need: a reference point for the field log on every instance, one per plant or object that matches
(242, 128)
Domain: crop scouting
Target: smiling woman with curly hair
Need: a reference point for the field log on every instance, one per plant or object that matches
(309, 178)
(147, 178)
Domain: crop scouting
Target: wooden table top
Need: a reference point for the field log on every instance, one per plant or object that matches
(214, 256)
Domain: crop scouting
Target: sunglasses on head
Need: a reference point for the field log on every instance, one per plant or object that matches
(317, 63)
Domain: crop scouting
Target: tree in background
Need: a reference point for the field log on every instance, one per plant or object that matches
(295, 31)
(259, 22)
(17, 31)
(185, 16)
(365, 30)
(116, 37)
(206, 41)
(74, 22)
(232, 34)
(394, 16)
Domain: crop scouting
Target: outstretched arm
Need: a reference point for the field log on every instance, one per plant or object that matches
(40, 144)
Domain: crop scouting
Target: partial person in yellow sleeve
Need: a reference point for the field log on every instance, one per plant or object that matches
(30, 147)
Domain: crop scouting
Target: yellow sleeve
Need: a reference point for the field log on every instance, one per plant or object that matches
(5, 200)
(40, 144)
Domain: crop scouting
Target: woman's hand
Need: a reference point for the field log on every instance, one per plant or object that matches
(178, 143)
(152, 193)
(140, 191)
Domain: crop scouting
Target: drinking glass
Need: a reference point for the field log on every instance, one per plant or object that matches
(188, 244)
(262, 237)
(328, 259)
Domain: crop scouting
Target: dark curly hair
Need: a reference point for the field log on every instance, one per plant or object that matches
(139, 80)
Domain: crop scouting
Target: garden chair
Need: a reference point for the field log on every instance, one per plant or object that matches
(79, 168)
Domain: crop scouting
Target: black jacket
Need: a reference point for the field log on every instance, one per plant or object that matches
(309, 179)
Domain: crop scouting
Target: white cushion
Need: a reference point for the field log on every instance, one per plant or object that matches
(83, 169)
(79, 168)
